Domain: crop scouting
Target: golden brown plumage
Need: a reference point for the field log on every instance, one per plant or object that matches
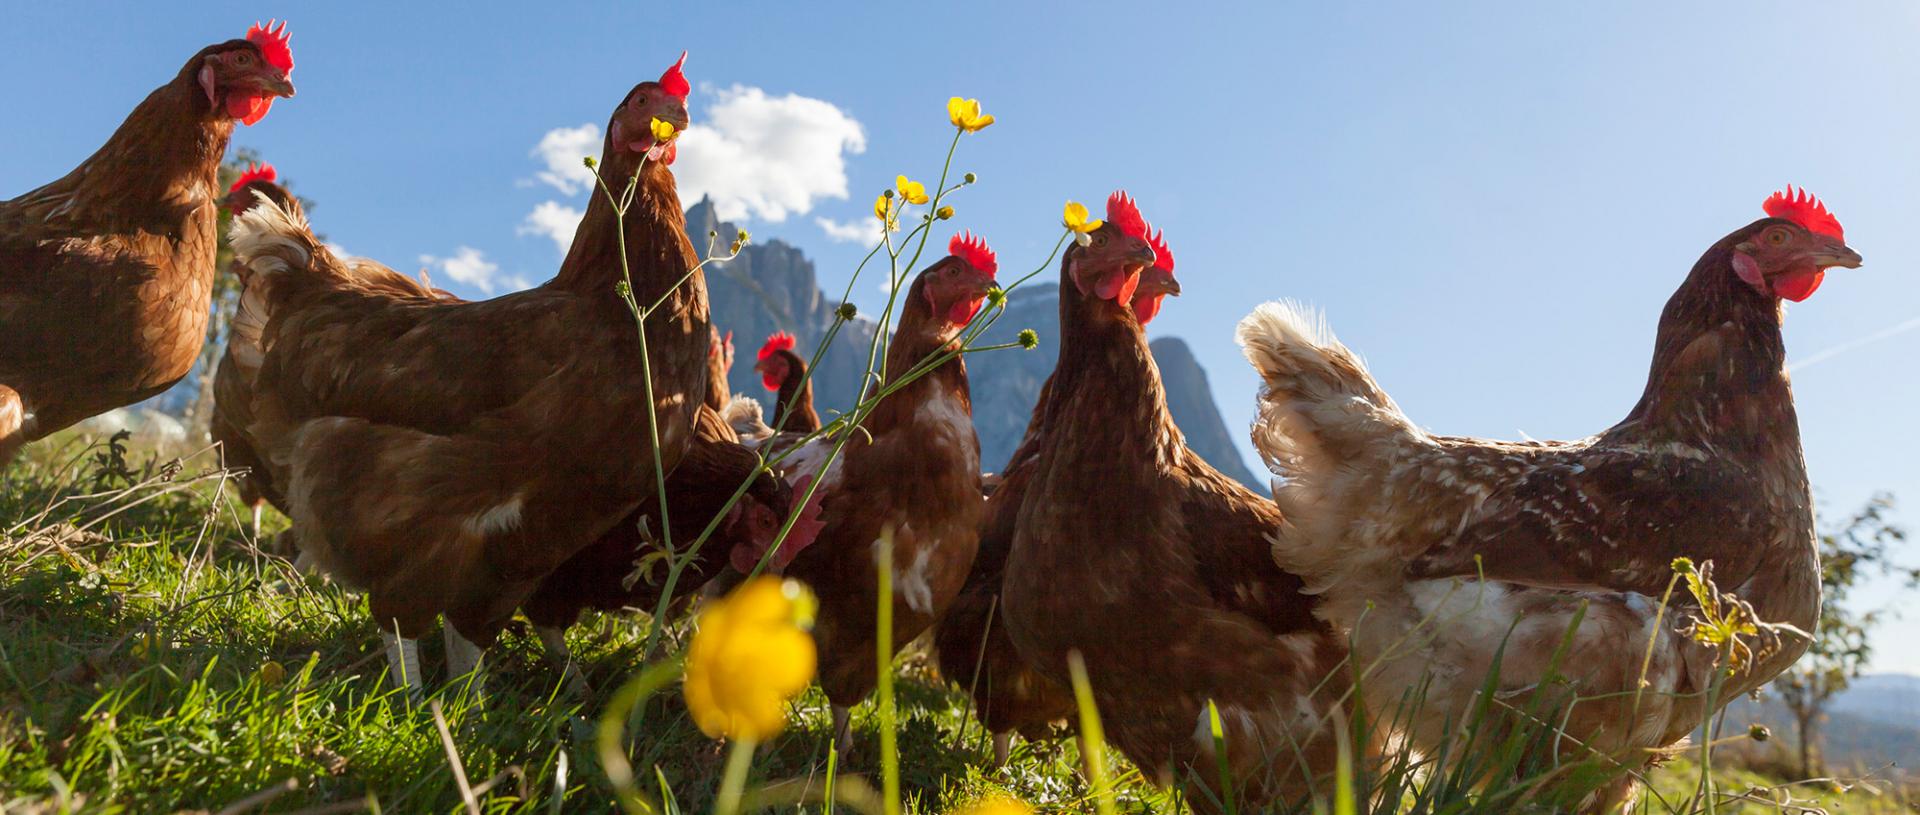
(106, 275)
(232, 407)
(1438, 551)
(915, 470)
(445, 457)
(1136, 554)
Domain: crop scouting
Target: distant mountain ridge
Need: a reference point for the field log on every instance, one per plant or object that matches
(772, 287)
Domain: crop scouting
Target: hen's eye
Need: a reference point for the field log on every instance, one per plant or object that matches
(243, 58)
(1777, 237)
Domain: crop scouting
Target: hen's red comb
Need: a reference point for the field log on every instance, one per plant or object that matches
(1803, 209)
(778, 342)
(1124, 215)
(272, 43)
(1162, 256)
(675, 82)
(255, 172)
(970, 248)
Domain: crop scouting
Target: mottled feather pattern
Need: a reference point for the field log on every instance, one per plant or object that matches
(1438, 552)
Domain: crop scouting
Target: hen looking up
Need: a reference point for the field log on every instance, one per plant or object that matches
(231, 409)
(1393, 526)
(915, 470)
(445, 457)
(106, 275)
(784, 372)
(971, 641)
(1151, 564)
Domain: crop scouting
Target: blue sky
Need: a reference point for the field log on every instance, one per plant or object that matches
(1491, 201)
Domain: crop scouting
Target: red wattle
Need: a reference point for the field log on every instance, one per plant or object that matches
(962, 311)
(1146, 308)
(1798, 286)
(771, 383)
(248, 109)
(1117, 286)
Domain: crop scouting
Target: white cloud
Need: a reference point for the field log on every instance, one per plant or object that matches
(470, 266)
(562, 150)
(764, 156)
(553, 220)
(863, 232)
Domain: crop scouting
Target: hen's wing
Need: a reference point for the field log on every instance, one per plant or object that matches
(1229, 530)
(1612, 516)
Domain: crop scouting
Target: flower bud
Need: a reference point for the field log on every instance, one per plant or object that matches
(970, 178)
(846, 312)
(944, 213)
(1759, 732)
(1029, 339)
(590, 162)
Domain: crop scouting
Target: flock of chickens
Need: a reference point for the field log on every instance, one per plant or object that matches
(469, 461)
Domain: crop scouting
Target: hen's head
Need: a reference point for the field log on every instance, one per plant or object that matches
(632, 130)
(776, 361)
(760, 515)
(259, 178)
(1109, 266)
(956, 285)
(1156, 282)
(1787, 253)
(242, 77)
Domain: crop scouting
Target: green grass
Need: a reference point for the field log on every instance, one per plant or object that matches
(140, 632)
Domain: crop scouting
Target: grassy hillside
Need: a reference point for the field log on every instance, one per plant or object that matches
(153, 659)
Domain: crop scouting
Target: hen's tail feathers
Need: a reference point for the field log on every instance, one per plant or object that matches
(745, 415)
(1317, 399)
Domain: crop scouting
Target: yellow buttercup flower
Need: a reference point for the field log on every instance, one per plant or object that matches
(965, 114)
(997, 805)
(663, 131)
(913, 191)
(750, 655)
(1075, 218)
(884, 210)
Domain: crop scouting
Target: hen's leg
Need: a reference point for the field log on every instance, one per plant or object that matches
(843, 729)
(403, 660)
(13, 420)
(256, 522)
(463, 657)
(554, 639)
(1002, 748)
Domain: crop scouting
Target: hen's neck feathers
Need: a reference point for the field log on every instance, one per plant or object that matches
(658, 252)
(1107, 375)
(157, 167)
(918, 338)
(794, 410)
(1718, 376)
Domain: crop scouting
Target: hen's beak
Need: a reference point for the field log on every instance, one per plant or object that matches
(980, 286)
(1836, 255)
(1142, 257)
(278, 86)
(1172, 286)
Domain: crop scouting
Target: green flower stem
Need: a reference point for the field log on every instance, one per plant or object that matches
(1093, 738)
(613, 754)
(883, 693)
(739, 761)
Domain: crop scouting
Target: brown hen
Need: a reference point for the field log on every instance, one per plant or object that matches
(106, 275)
(446, 457)
(1153, 567)
(1456, 562)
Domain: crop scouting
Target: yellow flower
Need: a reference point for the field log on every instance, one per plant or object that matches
(883, 209)
(913, 191)
(965, 114)
(997, 805)
(1075, 219)
(750, 655)
(663, 131)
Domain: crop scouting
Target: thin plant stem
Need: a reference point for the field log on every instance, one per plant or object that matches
(739, 761)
